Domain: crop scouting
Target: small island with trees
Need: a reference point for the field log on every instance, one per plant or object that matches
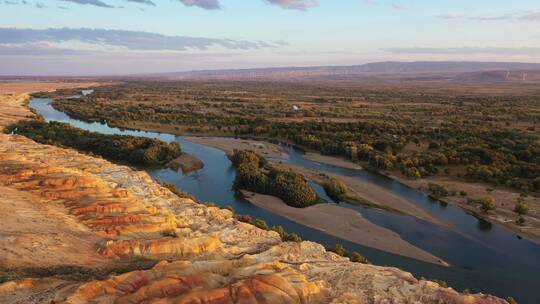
(255, 174)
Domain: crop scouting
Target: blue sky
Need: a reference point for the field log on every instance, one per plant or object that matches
(62, 37)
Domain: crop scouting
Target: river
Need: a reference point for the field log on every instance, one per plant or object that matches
(484, 257)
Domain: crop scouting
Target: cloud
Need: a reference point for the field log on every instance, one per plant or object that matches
(206, 4)
(528, 15)
(103, 4)
(90, 2)
(398, 6)
(147, 2)
(465, 50)
(301, 5)
(120, 39)
(532, 15)
(473, 18)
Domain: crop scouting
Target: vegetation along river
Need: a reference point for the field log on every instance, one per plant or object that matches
(483, 257)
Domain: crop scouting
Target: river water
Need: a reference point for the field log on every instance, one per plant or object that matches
(484, 257)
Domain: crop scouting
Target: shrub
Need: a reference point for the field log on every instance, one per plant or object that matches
(511, 300)
(292, 237)
(486, 203)
(441, 283)
(260, 224)
(437, 190)
(335, 189)
(521, 207)
(358, 258)
(280, 230)
(339, 250)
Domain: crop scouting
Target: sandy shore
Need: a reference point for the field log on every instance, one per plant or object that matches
(505, 200)
(331, 160)
(187, 163)
(30, 87)
(343, 223)
(229, 144)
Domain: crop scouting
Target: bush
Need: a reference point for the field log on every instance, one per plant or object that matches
(438, 191)
(335, 189)
(521, 208)
(280, 230)
(260, 224)
(293, 237)
(441, 283)
(358, 258)
(486, 203)
(511, 300)
(339, 250)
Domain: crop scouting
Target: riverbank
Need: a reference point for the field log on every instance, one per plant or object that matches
(331, 160)
(503, 215)
(341, 222)
(229, 144)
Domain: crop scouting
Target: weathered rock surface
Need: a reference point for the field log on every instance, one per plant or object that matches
(85, 211)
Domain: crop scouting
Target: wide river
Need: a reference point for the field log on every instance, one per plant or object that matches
(483, 257)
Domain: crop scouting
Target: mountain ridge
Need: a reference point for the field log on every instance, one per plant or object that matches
(385, 69)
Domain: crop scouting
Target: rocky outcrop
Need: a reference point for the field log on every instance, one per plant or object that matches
(205, 255)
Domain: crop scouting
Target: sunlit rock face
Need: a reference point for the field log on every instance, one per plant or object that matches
(238, 281)
(111, 214)
(132, 214)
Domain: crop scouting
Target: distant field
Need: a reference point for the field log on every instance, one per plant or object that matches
(25, 87)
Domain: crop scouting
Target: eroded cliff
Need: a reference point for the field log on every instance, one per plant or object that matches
(68, 212)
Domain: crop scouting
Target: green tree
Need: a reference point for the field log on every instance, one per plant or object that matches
(335, 189)
(437, 190)
(521, 207)
(486, 203)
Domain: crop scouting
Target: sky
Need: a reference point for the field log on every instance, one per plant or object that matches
(115, 37)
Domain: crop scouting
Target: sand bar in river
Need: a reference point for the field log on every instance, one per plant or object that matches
(343, 223)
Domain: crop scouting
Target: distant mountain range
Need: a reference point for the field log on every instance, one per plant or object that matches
(469, 71)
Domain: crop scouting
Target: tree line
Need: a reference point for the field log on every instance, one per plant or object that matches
(134, 150)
